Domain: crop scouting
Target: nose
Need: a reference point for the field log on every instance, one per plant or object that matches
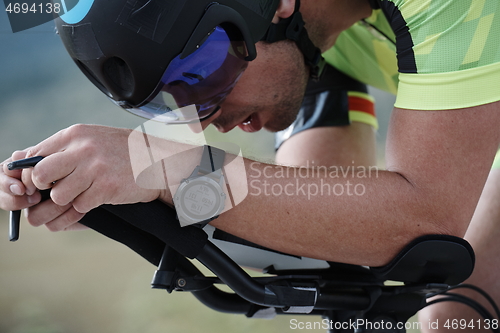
(200, 126)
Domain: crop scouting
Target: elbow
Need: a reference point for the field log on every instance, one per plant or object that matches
(421, 227)
(434, 212)
(456, 228)
(452, 217)
(453, 227)
(432, 219)
(445, 228)
(444, 222)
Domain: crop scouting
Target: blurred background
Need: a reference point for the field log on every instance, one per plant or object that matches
(82, 282)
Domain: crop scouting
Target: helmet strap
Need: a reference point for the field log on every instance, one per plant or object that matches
(293, 28)
(375, 4)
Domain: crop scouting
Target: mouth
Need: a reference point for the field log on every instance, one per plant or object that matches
(251, 124)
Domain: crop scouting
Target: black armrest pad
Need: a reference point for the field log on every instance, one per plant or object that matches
(431, 259)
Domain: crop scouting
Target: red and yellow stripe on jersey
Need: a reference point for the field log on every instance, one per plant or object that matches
(362, 108)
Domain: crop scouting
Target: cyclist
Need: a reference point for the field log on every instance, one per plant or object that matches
(446, 112)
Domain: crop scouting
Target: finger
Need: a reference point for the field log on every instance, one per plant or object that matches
(14, 202)
(44, 212)
(17, 155)
(76, 227)
(55, 217)
(11, 185)
(28, 187)
(53, 144)
(54, 168)
(26, 178)
(13, 189)
(67, 189)
(91, 198)
(65, 221)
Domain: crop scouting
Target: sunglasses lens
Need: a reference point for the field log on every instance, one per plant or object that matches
(203, 79)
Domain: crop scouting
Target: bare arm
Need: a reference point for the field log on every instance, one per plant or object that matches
(329, 146)
(437, 164)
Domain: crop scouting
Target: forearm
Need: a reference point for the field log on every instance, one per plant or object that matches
(336, 213)
(360, 216)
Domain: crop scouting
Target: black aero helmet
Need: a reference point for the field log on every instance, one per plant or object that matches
(155, 57)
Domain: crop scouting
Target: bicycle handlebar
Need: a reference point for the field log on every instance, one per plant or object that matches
(152, 228)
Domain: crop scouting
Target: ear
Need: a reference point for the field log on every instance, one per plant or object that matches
(285, 10)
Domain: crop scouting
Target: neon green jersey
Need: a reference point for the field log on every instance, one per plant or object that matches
(448, 52)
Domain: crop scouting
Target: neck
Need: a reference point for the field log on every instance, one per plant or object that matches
(326, 19)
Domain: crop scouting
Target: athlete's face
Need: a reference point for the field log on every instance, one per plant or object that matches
(269, 93)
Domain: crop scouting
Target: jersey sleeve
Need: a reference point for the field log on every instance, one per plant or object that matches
(367, 52)
(448, 52)
(435, 54)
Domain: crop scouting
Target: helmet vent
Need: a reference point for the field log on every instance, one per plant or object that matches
(119, 75)
(88, 73)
